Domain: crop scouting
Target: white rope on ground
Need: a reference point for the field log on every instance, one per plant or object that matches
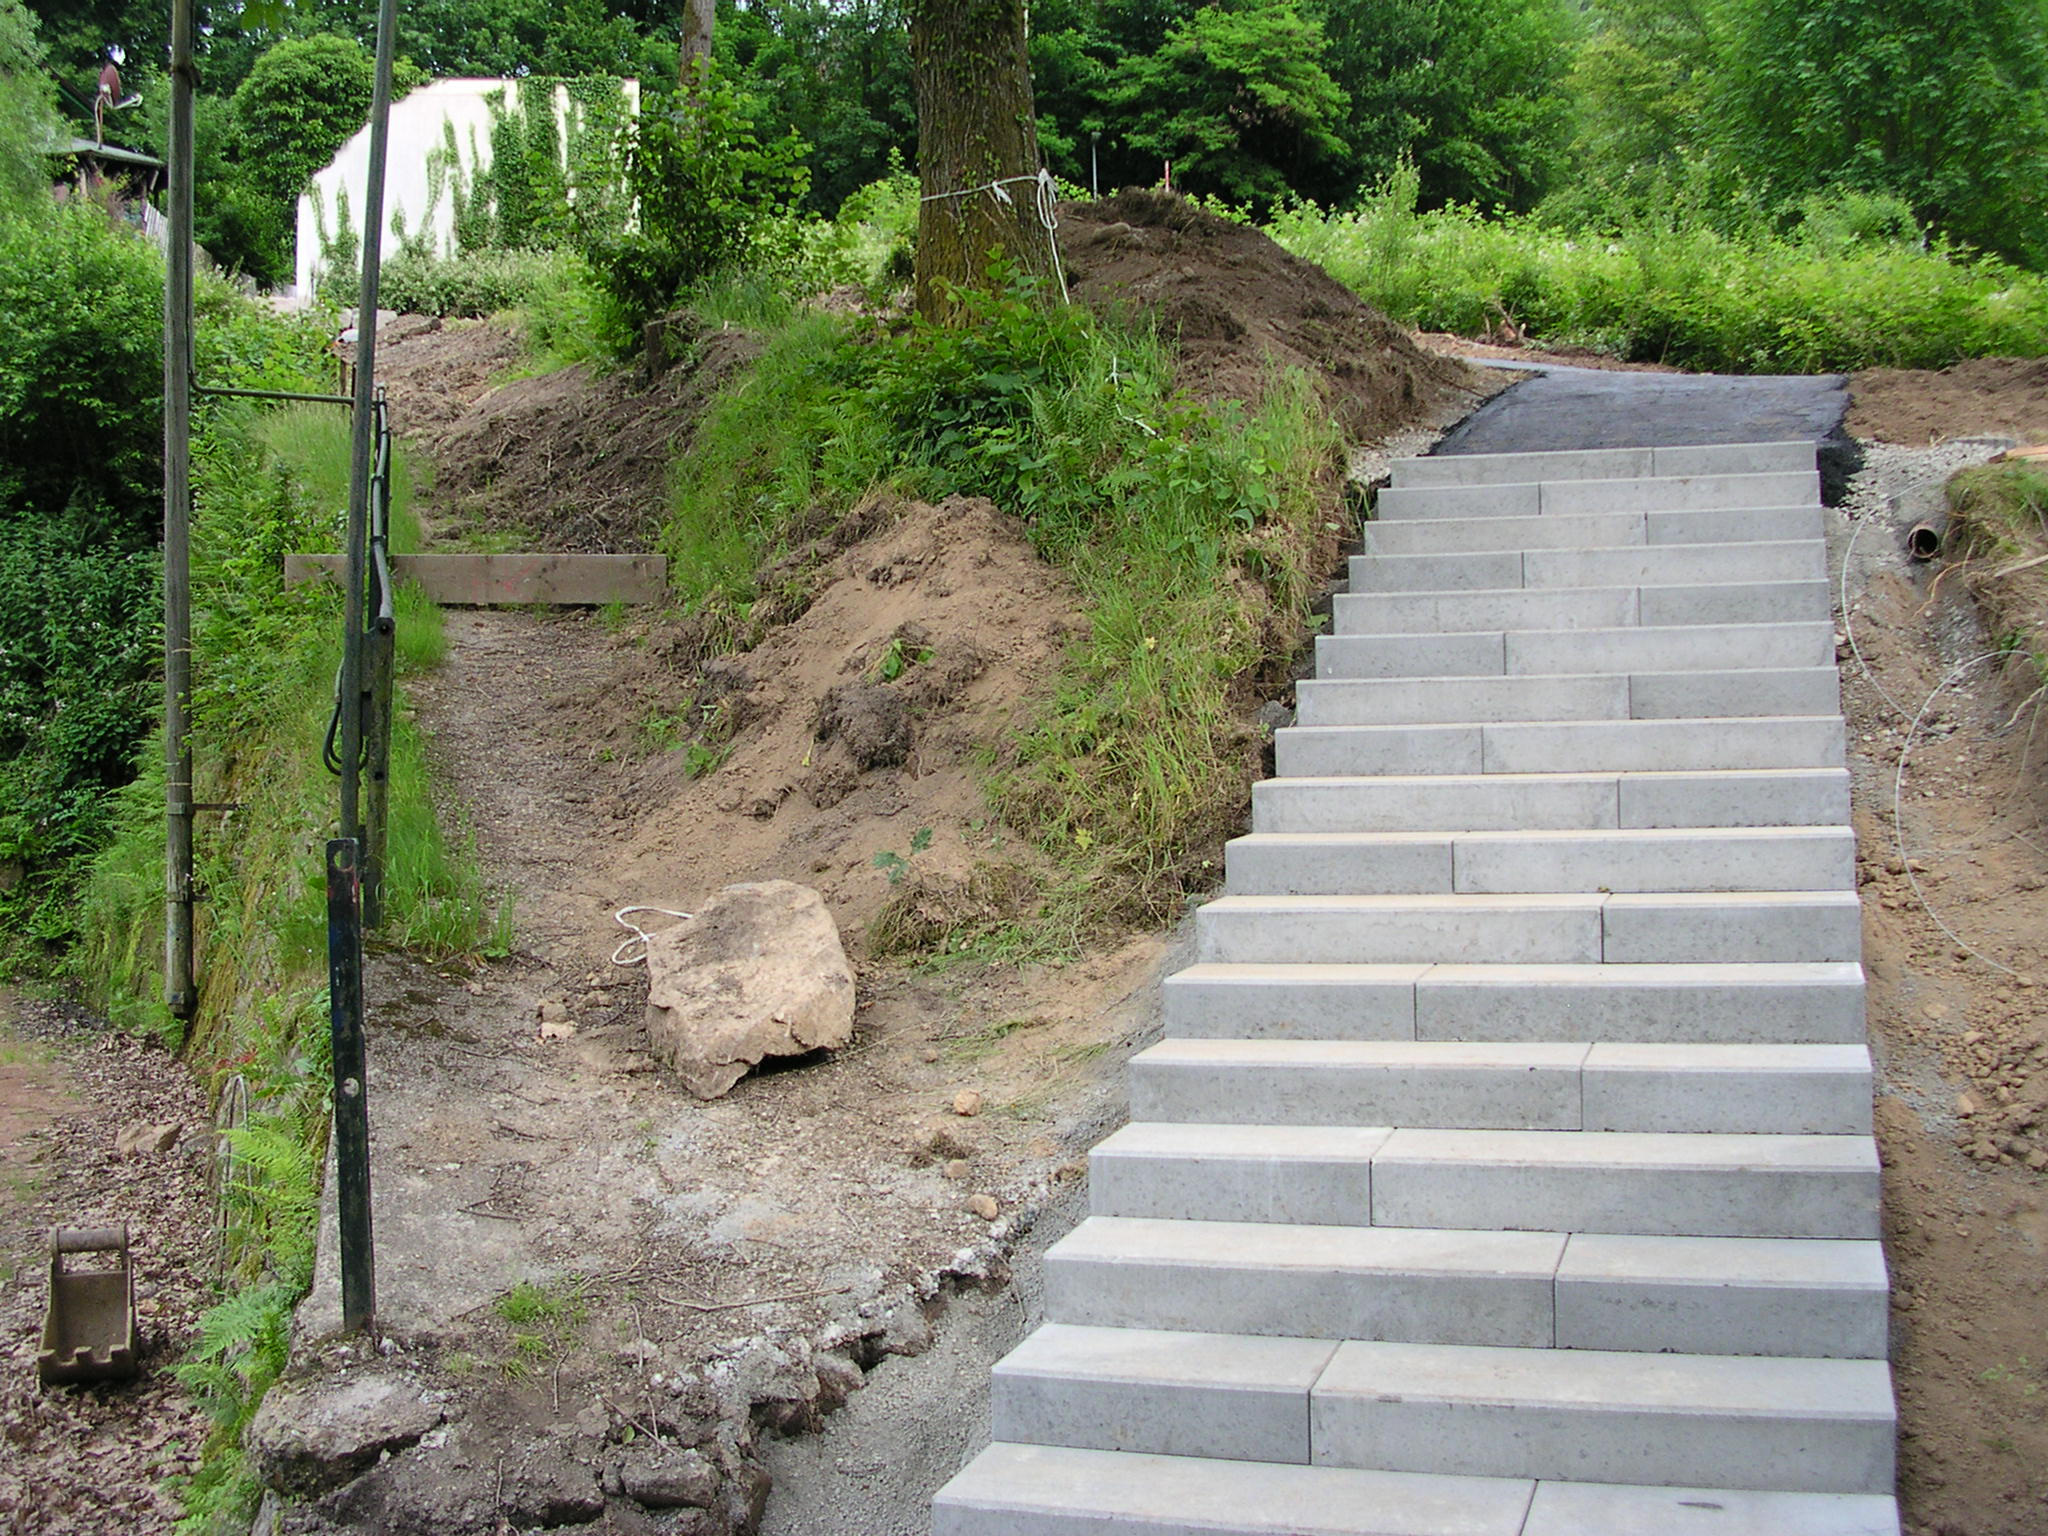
(1046, 204)
(1898, 813)
(639, 935)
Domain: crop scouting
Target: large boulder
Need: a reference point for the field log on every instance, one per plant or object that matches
(757, 972)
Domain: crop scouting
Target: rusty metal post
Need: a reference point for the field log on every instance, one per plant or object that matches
(181, 992)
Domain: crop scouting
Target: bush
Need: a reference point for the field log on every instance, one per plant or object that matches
(1851, 292)
(483, 283)
(711, 195)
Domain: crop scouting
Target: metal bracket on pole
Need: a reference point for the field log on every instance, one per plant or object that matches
(351, 1081)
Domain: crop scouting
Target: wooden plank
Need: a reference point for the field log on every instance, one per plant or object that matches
(483, 581)
(2020, 455)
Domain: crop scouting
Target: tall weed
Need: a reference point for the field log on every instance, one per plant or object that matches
(1848, 288)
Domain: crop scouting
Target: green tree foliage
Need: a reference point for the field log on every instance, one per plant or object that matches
(1471, 92)
(304, 99)
(711, 191)
(1941, 102)
(26, 119)
(1237, 99)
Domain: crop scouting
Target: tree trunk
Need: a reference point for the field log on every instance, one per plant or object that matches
(696, 40)
(975, 127)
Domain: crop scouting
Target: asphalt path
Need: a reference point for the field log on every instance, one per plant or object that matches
(1564, 407)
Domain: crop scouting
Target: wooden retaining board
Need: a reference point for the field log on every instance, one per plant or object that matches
(482, 581)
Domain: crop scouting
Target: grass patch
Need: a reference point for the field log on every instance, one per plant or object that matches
(1998, 517)
(1761, 303)
(1195, 535)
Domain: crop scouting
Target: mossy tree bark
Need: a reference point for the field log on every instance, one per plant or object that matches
(975, 126)
(695, 46)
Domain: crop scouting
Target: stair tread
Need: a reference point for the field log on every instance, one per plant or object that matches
(1031, 1490)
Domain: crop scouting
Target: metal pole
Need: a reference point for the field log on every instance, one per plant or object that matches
(382, 644)
(351, 1082)
(1094, 167)
(181, 995)
(352, 679)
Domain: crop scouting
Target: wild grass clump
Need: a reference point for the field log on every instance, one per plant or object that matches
(1194, 534)
(1826, 296)
(1999, 523)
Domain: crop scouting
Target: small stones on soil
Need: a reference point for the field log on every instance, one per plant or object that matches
(984, 1206)
(967, 1103)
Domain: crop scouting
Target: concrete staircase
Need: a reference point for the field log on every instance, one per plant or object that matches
(1507, 1168)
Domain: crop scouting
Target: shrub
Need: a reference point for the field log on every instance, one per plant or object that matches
(483, 283)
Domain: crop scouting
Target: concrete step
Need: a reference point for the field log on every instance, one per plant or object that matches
(1640, 1183)
(1636, 565)
(1181, 1088)
(1569, 746)
(1235, 1396)
(1817, 1298)
(1552, 653)
(1664, 493)
(1462, 1410)
(1034, 1490)
(1602, 464)
(1669, 1185)
(1609, 696)
(1660, 928)
(1808, 1426)
(1591, 607)
(1557, 802)
(1590, 530)
(1816, 858)
(1784, 1004)
(1030, 1490)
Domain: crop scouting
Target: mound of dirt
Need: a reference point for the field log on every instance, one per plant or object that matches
(1240, 304)
(1984, 397)
(593, 450)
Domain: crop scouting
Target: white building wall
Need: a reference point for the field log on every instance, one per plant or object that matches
(417, 127)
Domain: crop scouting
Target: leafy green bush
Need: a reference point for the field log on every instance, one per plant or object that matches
(1849, 294)
(709, 193)
(482, 283)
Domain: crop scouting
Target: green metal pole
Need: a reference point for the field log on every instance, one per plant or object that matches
(181, 995)
(353, 651)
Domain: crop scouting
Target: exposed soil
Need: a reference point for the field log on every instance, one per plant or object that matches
(566, 460)
(1989, 396)
(1239, 305)
(90, 1460)
(1956, 974)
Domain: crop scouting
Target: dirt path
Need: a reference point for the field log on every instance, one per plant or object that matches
(1958, 971)
(90, 1460)
(696, 1275)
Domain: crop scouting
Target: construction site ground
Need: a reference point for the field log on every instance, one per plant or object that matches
(812, 1275)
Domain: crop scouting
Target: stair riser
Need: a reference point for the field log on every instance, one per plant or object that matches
(1789, 1453)
(1816, 1321)
(1598, 1309)
(1591, 746)
(1651, 933)
(1420, 1307)
(1639, 696)
(1513, 1010)
(1828, 1099)
(1648, 1202)
(1806, 860)
(1175, 1418)
(1710, 492)
(1603, 464)
(1624, 566)
(1600, 607)
(1806, 798)
(1591, 530)
(1534, 653)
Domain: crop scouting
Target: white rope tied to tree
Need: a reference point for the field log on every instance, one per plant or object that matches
(639, 935)
(1045, 198)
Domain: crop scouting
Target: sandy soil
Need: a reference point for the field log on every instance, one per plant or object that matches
(1990, 396)
(1956, 973)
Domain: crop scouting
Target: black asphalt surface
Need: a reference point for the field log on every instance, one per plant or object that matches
(1562, 407)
